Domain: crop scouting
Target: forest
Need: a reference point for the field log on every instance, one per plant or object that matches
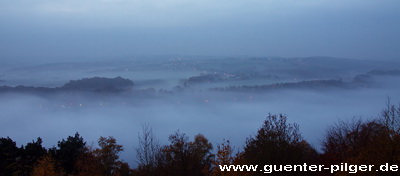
(358, 142)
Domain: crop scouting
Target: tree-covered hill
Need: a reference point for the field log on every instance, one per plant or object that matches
(95, 84)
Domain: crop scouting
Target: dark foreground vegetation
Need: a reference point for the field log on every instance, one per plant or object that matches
(358, 142)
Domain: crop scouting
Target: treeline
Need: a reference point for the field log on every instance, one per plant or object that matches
(313, 84)
(277, 142)
(94, 84)
(223, 76)
(358, 81)
(71, 157)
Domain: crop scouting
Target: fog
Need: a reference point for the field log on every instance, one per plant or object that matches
(160, 98)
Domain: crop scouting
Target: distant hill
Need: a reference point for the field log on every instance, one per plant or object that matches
(314, 84)
(26, 89)
(95, 84)
(359, 81)
(98, 84)
(384, 72)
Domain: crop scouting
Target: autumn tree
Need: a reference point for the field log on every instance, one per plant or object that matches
(340, 141)
(372, 142)
(88, 164)
(224, 156)
(103, 161)
(391, 120)
(108, 154)
(183, 157)
(357, 142)
(46, 166)
(278, 142)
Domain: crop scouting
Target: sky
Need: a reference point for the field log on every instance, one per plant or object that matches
(56, 30)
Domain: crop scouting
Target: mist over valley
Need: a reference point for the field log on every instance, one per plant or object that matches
(222, 98)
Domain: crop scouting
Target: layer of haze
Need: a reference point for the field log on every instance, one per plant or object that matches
(217, 115)
(45, 30)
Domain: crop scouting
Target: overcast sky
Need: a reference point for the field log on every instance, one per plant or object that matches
(59, 29)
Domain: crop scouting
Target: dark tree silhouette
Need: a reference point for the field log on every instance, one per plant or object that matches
(31, 153)
(9, 153)
(68, 151)
(278, 142)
